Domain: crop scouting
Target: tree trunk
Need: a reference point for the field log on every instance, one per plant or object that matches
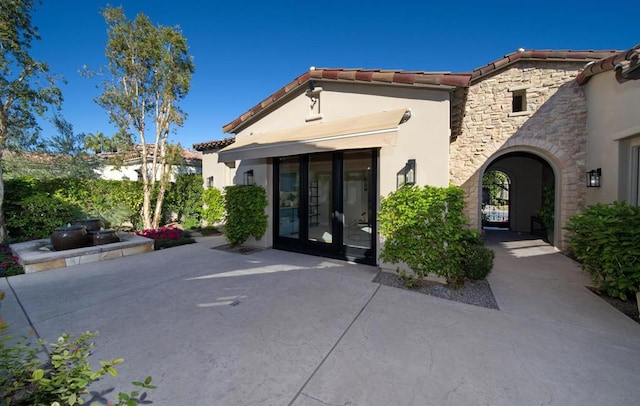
(159, 201)
(164, 179)
(4, 236)
(147, 188)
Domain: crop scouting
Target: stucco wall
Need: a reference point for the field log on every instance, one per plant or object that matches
(613, 126)
(129, 172)
(553, 127)
(222, 173)
(425, 137)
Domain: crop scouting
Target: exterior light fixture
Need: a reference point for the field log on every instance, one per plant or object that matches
(406, 175)
(593, 177)
(248, 177)
(410, 172)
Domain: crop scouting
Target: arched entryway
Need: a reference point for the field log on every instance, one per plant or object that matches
(496, 187)
(523, 192)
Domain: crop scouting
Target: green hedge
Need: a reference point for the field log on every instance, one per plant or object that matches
(34, 207)
(245, 205)
(213, 210)
(606, 241)
(424, 227)
(184, 200)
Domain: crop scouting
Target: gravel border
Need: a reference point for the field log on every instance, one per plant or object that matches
(477, 293)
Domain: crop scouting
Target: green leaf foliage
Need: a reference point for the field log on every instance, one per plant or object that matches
(213, 210)
(423, 227)
(477, 260)
(34, 207)
(148, 73)
(63, 377)
(606, 241)
(245, 206)
(184, 200)
(27, 89)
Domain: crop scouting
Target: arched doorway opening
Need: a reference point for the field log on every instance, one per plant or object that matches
(496, 186)
(524, 185)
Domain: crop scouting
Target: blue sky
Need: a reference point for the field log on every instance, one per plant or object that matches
(244, 51)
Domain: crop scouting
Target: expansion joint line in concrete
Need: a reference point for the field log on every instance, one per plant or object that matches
(304, 385)
(26, 316)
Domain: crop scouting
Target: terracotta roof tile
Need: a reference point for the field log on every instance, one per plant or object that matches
(347, 75)
(352, 75)
(364, 76)
(541, 55)
(214, 145)
(608, 63)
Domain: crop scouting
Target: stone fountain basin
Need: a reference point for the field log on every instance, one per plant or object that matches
(37, 255)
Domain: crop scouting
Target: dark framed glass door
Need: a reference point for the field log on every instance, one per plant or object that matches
(327, 204)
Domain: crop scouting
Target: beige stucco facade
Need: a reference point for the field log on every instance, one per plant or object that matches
(424, 137)
(222, 174)
(613, 128)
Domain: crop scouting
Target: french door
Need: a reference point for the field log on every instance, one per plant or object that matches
(327, 204)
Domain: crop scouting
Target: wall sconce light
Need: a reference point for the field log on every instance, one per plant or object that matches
(407, 175)
(248, 177)
(410, 172)
(593, 177)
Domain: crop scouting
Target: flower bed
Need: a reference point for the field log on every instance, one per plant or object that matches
(9, 263)
(166, 237)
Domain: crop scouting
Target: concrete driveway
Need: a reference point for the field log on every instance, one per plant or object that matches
(277, 328)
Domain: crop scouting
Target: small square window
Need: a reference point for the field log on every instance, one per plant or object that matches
(519, 101)
(209, 182)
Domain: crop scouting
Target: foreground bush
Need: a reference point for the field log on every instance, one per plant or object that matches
(606, 241)
(424, 227)
(62, 379)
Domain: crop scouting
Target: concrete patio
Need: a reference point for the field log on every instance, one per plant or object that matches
(277, 328)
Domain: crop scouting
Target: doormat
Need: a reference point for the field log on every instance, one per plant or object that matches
(238, 249)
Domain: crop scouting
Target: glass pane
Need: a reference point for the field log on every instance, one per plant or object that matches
(320, 203)
(289, 197)
(357, 204)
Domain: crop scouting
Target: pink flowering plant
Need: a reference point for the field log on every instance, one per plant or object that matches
(162, 233)
(9, 264)
(166, 237)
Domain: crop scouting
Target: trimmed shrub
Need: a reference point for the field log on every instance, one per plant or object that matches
(245, 205)
(605, 239)
(477, 261)
(424, 228)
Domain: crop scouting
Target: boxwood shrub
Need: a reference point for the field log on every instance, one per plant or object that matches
(605, 239)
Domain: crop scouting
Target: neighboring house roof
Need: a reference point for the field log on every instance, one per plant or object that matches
(617, 61)
(214, 145)
(457, 82)
(133, 156)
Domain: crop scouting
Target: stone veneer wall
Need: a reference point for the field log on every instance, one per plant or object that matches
(554, 127)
